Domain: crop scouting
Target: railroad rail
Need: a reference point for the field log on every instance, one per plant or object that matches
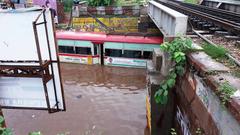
(231, 17)
(228, 21)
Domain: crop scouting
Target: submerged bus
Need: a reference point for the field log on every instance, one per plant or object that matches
(111, 50)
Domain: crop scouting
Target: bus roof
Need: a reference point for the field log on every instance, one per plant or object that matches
(102, 37)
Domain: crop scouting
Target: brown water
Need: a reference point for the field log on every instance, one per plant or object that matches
(100, 101)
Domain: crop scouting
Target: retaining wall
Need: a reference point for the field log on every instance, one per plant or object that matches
(195, 101)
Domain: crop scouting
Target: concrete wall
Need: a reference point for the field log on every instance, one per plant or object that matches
(80, 10)
(197, 103)
(121, 19)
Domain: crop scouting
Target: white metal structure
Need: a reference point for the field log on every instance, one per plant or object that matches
(170, 22)
(29, 65)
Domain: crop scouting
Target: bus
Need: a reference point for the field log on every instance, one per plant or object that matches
(111, 50)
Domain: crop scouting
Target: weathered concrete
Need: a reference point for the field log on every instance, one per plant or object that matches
(199, 101)
(157, 58)
(205, 64)
(169, 21)
(198, 105)
(166, 64)
(161, 115)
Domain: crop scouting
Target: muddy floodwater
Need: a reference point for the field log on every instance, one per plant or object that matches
(100, 100)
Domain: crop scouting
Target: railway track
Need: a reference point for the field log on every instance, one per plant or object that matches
(214, 19)
(231, 17)
(205, 18)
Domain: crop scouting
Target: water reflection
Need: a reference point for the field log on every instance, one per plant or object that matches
(100, 101)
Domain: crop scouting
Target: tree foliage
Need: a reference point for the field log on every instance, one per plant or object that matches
(95, 3)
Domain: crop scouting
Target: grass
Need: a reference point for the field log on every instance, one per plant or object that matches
(216, 52)
(127, 2)
(219, 54)
(191, 1)
(225, 92)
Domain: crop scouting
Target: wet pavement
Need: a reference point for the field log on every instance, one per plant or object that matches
(100, 101)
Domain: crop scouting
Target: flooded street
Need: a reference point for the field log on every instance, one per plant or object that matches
(100, 100)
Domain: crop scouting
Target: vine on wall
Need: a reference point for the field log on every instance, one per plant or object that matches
(177, 50)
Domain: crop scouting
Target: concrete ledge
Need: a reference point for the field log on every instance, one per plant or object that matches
(214, 83)
(197, 97)
(205, 64)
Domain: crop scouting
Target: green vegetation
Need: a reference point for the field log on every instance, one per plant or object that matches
(177, 50)
(215, 52)
(128, 2)
(191, 1)
(35, 133)
(173, 131)
(67, 5)
(198, 131)
(96, 3)
(3, 130)
(225, 91)
(219, 54)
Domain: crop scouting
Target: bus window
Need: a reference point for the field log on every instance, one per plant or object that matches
(66, 49)
(83, 50)
(147, 55)
(113, 52)
(132, 54)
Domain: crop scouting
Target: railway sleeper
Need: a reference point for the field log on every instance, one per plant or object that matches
(213, 29)
(221, 33)
(229, 37)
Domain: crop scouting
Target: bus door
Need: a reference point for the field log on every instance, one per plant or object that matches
(101, 50)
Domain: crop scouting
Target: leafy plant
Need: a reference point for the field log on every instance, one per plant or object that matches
(215, 52)
(4, 130)
(177, 50)
(191, 1)
(198, 131)
(225, 92)
(173, 131)
(96, 3)
(35, 133)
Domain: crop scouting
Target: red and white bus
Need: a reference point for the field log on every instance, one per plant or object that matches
(100, 48)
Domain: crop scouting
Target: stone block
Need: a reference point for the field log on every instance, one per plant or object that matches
(166, 64)
(233, 105)
(204, 117)
(234, 108)
(157, 59)
(151, 68)
(205, 64)
(188, 86)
